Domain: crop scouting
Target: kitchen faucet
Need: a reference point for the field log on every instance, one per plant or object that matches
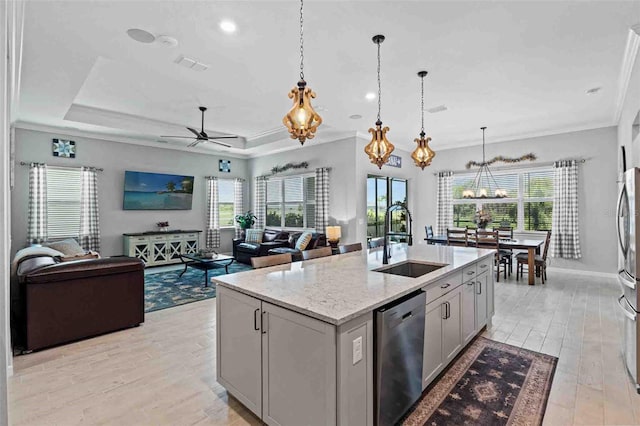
(387, 225)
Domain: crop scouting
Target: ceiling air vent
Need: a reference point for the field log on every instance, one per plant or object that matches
(439, 108)
(191, 63)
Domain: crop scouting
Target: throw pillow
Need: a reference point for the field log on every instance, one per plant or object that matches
(253, 236)
(84, 256)
(68, 247)
(303, 241)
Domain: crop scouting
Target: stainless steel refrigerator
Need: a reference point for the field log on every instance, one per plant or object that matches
(628, 243)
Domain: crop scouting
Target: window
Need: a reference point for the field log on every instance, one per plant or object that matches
(528, 206)
(63, 202)
(381, 193)
(226, 194)
(291, 202)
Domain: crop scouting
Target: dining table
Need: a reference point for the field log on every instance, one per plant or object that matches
(531, 246)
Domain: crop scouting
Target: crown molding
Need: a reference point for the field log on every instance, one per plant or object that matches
(628, 61)
(121, 139)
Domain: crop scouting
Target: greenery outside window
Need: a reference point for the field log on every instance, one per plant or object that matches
(528, 207)
(226, 195)
(382, 192)
(291, 202)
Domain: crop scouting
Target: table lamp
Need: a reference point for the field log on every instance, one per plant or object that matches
(333, 235)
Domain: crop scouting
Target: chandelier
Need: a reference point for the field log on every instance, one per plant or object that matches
(484, 184)
(302, 120)
(422, 155)
(379, 149)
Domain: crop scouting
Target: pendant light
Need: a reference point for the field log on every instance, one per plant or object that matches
(302, 120)
(379, 149)
(484, 184)
(422, 155)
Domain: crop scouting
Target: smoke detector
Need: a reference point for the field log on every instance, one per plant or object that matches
(166, 41)
(141, 36)
(191, 63)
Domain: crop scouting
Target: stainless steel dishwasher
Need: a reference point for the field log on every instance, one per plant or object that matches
(399, 342)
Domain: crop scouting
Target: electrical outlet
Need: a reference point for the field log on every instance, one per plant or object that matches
(357, 350)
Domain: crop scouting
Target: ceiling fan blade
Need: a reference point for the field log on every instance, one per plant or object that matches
(195, 132)
(178, 137)
(194, 143)
(222, 137)
(219, 143)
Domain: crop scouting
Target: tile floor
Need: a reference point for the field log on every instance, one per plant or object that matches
(164, 371)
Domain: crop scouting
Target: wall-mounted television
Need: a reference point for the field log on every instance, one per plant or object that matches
(157, 191)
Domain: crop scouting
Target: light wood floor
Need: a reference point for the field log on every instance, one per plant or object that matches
(164, 371)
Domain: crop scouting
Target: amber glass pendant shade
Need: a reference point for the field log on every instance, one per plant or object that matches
(423, 155)
(302, 120)
(379, 149)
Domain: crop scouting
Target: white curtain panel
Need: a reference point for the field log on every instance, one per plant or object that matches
(37, 220)
(444, 202)
(565, 228)
(89, 214)
(322, 199)
(213, 214)
(238, 203)
(260, 202)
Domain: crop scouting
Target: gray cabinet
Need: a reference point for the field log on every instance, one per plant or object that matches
(482, 293)
(278, 363)
(468, 311)
(442, 335)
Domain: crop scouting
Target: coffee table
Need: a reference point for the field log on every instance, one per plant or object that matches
(206, 264)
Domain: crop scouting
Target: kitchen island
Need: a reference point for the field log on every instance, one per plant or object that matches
(295, 342)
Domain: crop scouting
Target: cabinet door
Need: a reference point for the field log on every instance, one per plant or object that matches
(491, 308)
(468, 311)
(481, 301)
(298, 369)
(451, 326)
(238, 347)
(432, 357)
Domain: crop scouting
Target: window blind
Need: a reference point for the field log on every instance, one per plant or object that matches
(63, 202)
(538, 184)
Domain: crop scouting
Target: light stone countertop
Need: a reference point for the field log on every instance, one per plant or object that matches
(338, 288)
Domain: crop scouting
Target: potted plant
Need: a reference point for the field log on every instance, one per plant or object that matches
(246, 220)
(482, 218)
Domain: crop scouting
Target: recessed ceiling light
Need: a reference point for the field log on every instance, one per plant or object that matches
(355, 117)
(141, 36)
(167, 41)
(228, 26)
(593, 90)
(370, 96)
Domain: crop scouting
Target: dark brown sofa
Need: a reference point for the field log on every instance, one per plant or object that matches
(317, 240)
(63, 302)
(271, 238)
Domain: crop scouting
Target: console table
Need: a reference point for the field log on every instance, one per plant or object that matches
(161, 248)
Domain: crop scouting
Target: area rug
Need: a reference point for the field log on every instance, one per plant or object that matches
(167, 289)
(491, 383)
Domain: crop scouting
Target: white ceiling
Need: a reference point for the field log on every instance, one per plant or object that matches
(520, 68)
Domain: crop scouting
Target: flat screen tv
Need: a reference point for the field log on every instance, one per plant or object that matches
(157, 191)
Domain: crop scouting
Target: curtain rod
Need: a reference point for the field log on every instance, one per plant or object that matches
(502, 168)
(24, 163)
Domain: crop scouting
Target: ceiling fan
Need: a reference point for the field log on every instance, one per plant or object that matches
(201, 136)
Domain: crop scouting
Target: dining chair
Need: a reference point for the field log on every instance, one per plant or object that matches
(348, 248)
(491, 240)
(457, 237)
(316, 253)
(375, 242)
(506, 233)
(275, 259)
(540, 262)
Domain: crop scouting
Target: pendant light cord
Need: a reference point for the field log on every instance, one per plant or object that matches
(483, 160)
(422, 104)
(379, 85)
(301, 40)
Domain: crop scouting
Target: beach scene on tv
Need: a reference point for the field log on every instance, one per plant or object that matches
(157, 191)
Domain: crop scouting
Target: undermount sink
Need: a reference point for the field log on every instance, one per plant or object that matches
(410, 269)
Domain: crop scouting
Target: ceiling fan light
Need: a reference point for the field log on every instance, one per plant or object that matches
(302, 120)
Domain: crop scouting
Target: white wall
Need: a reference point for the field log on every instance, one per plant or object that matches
(597, 187)
(115, 158)
(339, 156)
(629, 111)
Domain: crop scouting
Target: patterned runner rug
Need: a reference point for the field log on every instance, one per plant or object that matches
(167, 289)
(491, 383)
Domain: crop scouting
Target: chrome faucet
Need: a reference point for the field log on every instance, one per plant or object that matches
(387, 225)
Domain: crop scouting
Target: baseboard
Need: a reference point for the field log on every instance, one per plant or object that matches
(583, 272)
